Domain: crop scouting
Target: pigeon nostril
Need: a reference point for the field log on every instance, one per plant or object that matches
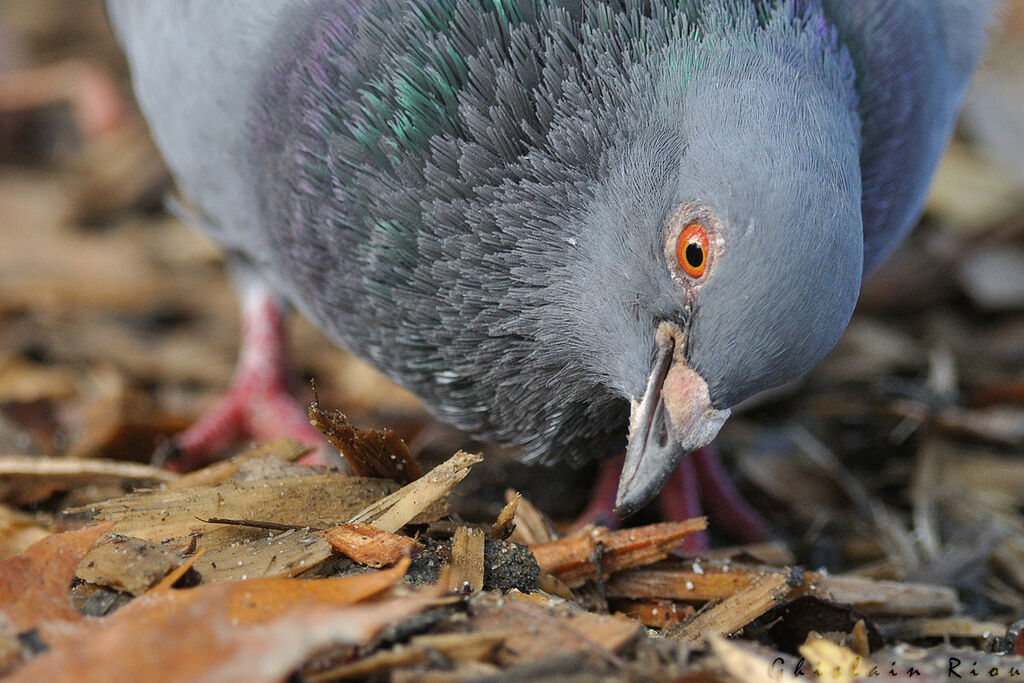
(661, 430)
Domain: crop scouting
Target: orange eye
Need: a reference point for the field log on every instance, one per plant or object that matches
(692, 250)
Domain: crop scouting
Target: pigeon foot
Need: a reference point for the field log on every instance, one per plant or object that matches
(259, 404)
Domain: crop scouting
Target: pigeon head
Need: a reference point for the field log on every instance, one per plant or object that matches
(745, 197)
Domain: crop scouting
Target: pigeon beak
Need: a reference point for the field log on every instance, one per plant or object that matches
(674, 417)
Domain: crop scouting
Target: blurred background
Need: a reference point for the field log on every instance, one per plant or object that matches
(117, 327)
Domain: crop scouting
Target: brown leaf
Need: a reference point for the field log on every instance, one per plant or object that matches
(369, 452)
(258, 630)
(35, 585)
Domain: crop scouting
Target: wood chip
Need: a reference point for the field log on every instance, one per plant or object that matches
(695, 581)
(531, 527)
(657, 613)
(466, 571)
(506, 522)
(541, 627)
(458, 647)
(368, 545)
(285, 449)
(61, 474)
(393, 512)
(129, 565)
(747, 663)
(945, 628)
(597, 551)
(369, 452)
(316, 500)
(235, 554)
(775, 553)
(890, 598)
(736, 611)
(835, 661)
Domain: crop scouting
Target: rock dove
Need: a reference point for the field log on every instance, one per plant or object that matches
(556, 220)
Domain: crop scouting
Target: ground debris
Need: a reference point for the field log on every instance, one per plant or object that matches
(393, 512)
(369, 452)
(466, 570)
(129, 565)
(30, 478)
(366, 544)
(314, 500)
(595, 551)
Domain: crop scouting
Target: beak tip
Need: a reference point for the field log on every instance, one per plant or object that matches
(624, 509)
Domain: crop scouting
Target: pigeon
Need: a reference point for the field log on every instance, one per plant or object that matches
(570, 226)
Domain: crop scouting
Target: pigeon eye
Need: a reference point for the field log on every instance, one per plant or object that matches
(692, 250)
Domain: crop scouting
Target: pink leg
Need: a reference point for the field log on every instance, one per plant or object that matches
(602, 498)
(732, 514)
(258, 403)
(699, 478)
(88, 87)
(680, 499)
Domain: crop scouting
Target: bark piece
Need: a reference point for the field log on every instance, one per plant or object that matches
(392, 512)
(540, 627)
(466, 571)
(129, 565)
(596, 551)
(316, 500)
(235, 554)
(736, 611)
(366, 544)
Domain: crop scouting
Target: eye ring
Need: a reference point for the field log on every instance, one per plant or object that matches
(693, 249)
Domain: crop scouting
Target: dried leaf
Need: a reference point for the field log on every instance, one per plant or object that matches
(369, 452)
(259, 630)
(35, 585)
